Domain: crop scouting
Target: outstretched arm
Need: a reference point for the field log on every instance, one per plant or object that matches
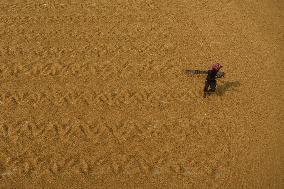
(220, 74)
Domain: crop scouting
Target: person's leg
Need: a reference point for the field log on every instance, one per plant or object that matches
(213, 86)
(206, 88)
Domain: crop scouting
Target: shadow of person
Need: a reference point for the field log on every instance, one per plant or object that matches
(227, 86)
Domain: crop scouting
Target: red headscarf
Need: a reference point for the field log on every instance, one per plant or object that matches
(216, 67)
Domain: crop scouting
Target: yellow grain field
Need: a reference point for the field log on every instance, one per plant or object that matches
(93, 94)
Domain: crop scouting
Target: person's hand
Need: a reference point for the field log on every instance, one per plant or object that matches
(220, 74)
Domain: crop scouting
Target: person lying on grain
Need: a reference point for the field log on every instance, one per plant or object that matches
(211, 79)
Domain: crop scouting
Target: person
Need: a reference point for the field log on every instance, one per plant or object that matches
(211, 79)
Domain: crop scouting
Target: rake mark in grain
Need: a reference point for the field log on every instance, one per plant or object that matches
(124, 131)
(73, 97)
(104, 70)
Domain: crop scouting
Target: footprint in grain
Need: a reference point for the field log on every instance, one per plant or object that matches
(84, 167)
(4, 172)
(2, 169)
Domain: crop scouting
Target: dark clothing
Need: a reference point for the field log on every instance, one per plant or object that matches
(210, 81)
(212, 85)
(211, 75)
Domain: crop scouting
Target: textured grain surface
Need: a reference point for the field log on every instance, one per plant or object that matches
(93, 94)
